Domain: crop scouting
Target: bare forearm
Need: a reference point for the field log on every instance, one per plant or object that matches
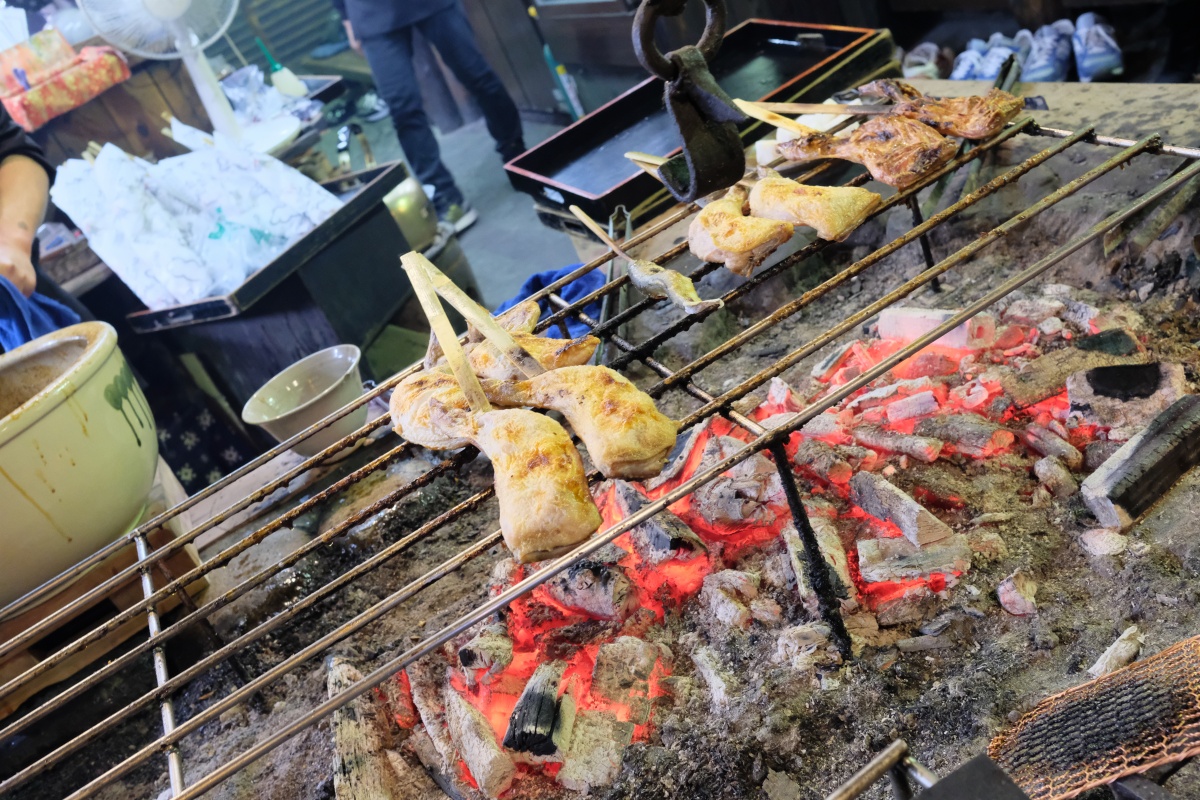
(24, 191)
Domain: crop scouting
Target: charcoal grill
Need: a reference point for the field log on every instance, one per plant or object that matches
(175, 733)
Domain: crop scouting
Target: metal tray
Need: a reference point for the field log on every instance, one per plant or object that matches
(584, 164)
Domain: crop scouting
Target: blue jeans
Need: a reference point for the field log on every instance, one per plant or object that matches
(390, 57)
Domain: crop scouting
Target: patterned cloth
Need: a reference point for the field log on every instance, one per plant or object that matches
(94, 70)
(200, 448)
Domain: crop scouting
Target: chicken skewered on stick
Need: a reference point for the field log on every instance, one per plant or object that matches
(654, 281)
(545, 506)
(722, 233)
(896, 150)
(834, 211)
(521, 318)
(975, 117)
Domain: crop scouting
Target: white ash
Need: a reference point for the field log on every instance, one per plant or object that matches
(1121, 652)
(593, 757)
(1016, 594)
(805, 647)
(1032, 310)
(897, 559)
(727, 595)
(1054, 475)
(907, 324)
(1103, 541)
(1125, 417)
(722, 686)
(882, 500)
(490, 765)
(922, 448)
(922, 404)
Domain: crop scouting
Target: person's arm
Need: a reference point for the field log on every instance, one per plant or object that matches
(24, 191)
(340, 6)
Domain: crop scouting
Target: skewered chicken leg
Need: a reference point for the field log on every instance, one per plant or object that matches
(834, 211)
(661, 283)
(521, 318)
(488, 362)
(545, 506)
(625, 434)
(722, 233)
(976, 117)
(896, 150)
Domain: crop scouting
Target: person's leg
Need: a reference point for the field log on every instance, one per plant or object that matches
(390, 59)
(450, 32)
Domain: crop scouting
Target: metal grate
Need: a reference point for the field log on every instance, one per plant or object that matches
(174, 732)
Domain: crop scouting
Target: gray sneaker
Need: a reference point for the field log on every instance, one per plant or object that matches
(460, 217)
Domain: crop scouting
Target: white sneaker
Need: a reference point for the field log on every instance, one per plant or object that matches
(1050, 58)
(990, 66)
(966, 65)
(921, 61)
(1097, 54)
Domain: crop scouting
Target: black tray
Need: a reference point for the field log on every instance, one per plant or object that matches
(585, 165)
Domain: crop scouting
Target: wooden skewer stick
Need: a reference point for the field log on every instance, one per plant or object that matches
(837, 109)
(483, 321)
(602, 234)
(770, 117)
(422, 284)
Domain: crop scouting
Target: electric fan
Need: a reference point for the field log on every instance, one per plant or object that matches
(167, 29)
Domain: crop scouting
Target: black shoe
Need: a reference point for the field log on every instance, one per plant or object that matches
(510, 150)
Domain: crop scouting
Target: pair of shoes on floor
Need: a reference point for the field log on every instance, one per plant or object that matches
(983, 60)
(927, 60)
(459, 216)
(371, 107)
(1089, 38)
(510, 150)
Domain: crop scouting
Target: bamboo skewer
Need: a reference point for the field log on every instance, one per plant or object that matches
(600, 233)
(483, 321)
(468, 381)
(758, 112)
(835, 109)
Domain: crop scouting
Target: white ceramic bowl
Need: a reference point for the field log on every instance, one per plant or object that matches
(78, 451)
(307, 392)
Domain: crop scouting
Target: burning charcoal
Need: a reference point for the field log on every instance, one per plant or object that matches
(1121, 652)
(505, 574)
(743, 493)
(862, 459)
(398, 697)
(622, 673)
(722, 686)
(362, 765)
(1032, 310)
(427, 678)
(1080, 314)
(881, 396)
(593, 758)
(531, 726)
(1103, 541)
(805, 647)
(782, 396)
(1146, 466)
(831, 363)
(727, 595)
(906, 325)
(970, 434)
(1055, 477)
(660, 538)
(1048, 443)
(827, 425)
(970, 395)
(491, 767)
(921, 448)
(823, 461)
(678, 459)
(490, 650)
(1047, 376)
(917, 405)
(897, 559)
(597, 589)
(1016, 594)
(914, 603)
(879, 498)
(1125, 399)
(1050, 327)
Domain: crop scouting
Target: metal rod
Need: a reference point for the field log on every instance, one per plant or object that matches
(861, 266)
(920, 775)
(926, 249)
(1116, 141)
(875, 769)
(161, 673)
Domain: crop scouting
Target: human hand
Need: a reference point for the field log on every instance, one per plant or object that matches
(355, 44)
(16, 264)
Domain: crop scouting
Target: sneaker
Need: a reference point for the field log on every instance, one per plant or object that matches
(1020, 44)
(1050, 58)
(459, 216)
(991, 64)
(966, 65)
(923, 61)
(510, 150)
(371, 108)
(978, 45)
(1096, 52)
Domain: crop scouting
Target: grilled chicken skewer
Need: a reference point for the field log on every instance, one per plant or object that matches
(896, 150)
(834, 211)
(723, 234)
(521, 318)
(624, 432)
(976, 117)
(545, 506)
(652, 280)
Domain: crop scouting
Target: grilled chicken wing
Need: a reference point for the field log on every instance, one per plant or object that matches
(661, 283)
(834, 211)
(977, 117)
(722, 233)
(521, 318)
(896, 150)
(487, 361)
(545, 506)
(625, 434)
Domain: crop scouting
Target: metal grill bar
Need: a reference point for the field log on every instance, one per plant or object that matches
(763, 440)
(161, 673)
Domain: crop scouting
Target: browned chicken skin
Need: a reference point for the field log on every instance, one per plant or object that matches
(545, 506)
(521, 318)
(723, 234)
(834, 211)
(896, 150)
(976, 117)
(488, 362)
(624, 432)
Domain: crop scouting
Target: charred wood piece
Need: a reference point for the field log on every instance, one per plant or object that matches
(879, 498)
(601, 590)
(1146, 466)
(921, 404)
(531, 726)
(831, 548)
(898, 559)
(970, 434)
(823, 461)
(741, 495)
(593, 757)
(922, 448)
(1048, 443)
(1055, 477)
(622, 675)
(727, 596)
(491, 767)
(427, 678)
(490, 650)
(677, 459)
(660, 538)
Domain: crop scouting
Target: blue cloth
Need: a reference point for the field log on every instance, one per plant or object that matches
(571, 292)
(23, 319)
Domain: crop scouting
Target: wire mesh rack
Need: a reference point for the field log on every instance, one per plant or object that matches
(170, 746)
